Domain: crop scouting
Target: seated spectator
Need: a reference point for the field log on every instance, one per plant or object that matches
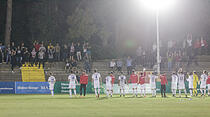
(73, 64)
(67, 66)
(112, 64)
(119, 65)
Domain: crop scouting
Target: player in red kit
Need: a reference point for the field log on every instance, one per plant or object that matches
(163, 84)
(142, 84)
(83, 82)
(113, 79)
(208, 83)
(134, 80)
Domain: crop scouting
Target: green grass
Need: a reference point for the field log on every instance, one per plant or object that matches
(63, 106)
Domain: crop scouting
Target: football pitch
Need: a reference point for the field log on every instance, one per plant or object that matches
(89, 106)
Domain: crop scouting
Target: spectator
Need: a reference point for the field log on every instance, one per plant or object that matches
(41, 58)
(65, 52)
(33, 57)
(57, 52)
(26, 56)
(78, 52)
(67, 67)
(203, 46)
(119, 65)
(169, 62)
(129, 65)
(42, 48)
(51, 52)
(88, 51)
(22, 47)
(87, 65)
(1, 56)
(84, 50)
(37, 46)
(197, 46)
(112, 64)
(8, 54)
(50, 46)
(19, 56)
(13, 53)
(72, 51)
(13, 46)
(73, 63)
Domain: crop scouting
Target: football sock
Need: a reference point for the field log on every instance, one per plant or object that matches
(75, 93)
(70, 93)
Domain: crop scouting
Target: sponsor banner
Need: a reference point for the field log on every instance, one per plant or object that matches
(63, 87)
(7, 87)
(32, 88)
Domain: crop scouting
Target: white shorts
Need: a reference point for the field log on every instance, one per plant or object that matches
(174, 86)
(181, 86)
(203, 86)
(96, 85)
(122, 87)
(190, 86)
(208, 86)
(108, 87)
(153, 86)
(142, 87)
(134, 85)
(51, 86)
(72, 86)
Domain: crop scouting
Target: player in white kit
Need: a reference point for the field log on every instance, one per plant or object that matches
(153, 78)
(109, 85)
(181, 84)
(190, 81)
(51, 81)
(96, 79)
(174, 83)
(203, 80)
(72, 83)
(122, 82)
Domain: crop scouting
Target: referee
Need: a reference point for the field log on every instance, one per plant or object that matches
(83, 82)
(163, 84)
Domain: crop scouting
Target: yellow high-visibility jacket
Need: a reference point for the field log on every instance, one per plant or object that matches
(195, 79)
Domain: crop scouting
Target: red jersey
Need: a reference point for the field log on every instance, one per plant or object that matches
(133, 78)
(113, 78)
(84, 79)
(163, 80)
(208, 80)
(37, 46)
(142, 80)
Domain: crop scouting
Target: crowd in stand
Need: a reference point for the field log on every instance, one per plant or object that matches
(173, 52)
(39, 53)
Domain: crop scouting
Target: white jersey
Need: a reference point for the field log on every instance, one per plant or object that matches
(153, 81)
(51, 80)
(96, 78)
(122, 79)
(72, 79)
(109, 80)
(190, 80)
(174, 81)
(203, 80)
(181, 81)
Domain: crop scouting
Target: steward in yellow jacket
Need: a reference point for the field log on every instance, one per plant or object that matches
(195, 82)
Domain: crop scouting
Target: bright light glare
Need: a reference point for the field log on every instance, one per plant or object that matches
(158, 4)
